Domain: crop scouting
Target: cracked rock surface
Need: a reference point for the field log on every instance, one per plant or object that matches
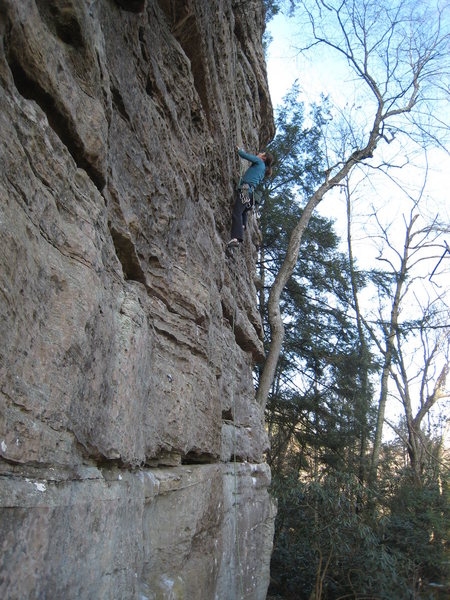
(127, 338)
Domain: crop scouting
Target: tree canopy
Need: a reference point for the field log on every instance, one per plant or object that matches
(340, 534)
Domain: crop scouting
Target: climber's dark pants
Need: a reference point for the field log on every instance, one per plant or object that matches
(240, 215)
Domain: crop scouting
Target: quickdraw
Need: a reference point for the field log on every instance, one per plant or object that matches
(246, 195)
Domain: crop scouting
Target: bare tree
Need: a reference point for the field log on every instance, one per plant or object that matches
(423, 389)
(397, 284)
(396, 51)
(386, 344)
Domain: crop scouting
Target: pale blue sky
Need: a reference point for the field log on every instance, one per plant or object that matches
(322, 73)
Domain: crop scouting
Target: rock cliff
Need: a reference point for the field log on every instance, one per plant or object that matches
(131, 444)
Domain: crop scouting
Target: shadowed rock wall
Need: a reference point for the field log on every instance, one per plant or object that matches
(127, 339)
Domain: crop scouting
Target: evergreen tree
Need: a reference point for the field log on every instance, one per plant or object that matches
(328, 543)
(317, 381)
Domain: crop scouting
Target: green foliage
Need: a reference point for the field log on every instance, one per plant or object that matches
(320, 532)
(297, 146)
(273, 7)
(321, 536)
(320, 349)
(334, 537)
(418, 525)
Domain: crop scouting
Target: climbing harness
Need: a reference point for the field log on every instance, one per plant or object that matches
(246, 193)
(246, 190)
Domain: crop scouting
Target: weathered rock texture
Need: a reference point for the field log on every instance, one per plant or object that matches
(127, 339)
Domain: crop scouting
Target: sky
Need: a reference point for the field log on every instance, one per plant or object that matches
(320, 73)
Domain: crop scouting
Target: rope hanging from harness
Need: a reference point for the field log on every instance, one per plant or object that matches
(238, 562)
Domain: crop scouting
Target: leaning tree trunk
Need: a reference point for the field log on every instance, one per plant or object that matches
(287, 268)
(377, 133)
(274, 312)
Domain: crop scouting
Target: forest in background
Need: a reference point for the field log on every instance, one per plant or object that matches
(361, 514)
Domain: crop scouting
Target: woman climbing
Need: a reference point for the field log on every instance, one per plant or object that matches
(261, 167)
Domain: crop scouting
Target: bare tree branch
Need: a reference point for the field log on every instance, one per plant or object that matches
(393, 67)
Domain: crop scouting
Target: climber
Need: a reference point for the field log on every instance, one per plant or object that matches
(261, 167)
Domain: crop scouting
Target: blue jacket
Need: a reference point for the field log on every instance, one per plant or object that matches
(255, 173)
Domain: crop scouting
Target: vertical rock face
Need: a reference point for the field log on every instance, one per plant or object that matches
(127, 338)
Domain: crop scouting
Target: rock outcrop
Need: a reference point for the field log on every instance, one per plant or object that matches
(132, 448)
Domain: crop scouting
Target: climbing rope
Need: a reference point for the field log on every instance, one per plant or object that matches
(241, 169)
(233, 410)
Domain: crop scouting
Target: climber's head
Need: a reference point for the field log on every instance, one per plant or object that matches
(267, 157)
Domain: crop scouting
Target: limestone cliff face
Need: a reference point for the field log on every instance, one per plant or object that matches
(127, 338)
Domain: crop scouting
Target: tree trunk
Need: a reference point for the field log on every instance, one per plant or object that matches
(364, 403)
(287, 268)
(416, 442)
(391, 103)
(388, 354)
